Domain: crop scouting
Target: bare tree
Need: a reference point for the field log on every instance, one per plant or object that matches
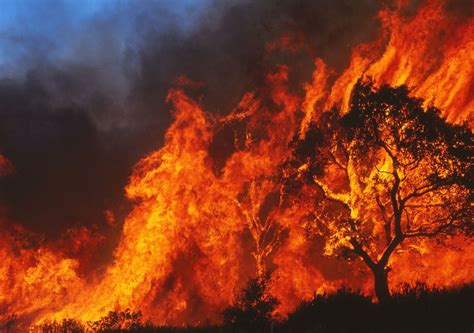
(258, 203)
(387, 171)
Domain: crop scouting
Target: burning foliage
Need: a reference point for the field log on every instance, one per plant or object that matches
(388, 171)
(367, 168)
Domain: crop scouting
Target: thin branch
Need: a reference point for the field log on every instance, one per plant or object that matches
(357, 249)
(419, 232)
(390, 248)
(334, 159)
(330, 195)
(422, 190)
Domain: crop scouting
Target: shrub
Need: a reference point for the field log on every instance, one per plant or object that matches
(253, 308)
(64, 326)
(118, 321)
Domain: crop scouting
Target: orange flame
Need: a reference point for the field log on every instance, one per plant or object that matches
(185, 248)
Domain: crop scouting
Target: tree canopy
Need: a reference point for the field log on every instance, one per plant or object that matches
(390, 169)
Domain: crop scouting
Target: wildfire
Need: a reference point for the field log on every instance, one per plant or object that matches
(203, 222)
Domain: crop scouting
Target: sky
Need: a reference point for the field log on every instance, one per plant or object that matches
(54, 29)
(83, 86)
(67, 68)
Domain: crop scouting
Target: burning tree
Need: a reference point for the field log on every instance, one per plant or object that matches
(387, 171)
(257, 204)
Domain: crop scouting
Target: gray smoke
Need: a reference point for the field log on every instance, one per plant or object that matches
(82, 98)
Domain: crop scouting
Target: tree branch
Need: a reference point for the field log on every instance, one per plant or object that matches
(383, 261)
(331, 196)
(357, 249)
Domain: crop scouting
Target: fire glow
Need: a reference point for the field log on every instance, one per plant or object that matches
(202, 224)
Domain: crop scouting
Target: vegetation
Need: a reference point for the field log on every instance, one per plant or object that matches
(258, 211)
(414, 309)
(119, 321)
(115, 321)
(388, 172)
(253, 309)
(65, 326)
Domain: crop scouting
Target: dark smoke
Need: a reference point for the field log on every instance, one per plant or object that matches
(74, 123)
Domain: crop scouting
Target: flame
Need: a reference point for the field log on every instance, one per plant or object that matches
(195, 235)
(430, 52)
(35, 275)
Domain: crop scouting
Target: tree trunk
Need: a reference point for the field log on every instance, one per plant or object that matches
(381, 284)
